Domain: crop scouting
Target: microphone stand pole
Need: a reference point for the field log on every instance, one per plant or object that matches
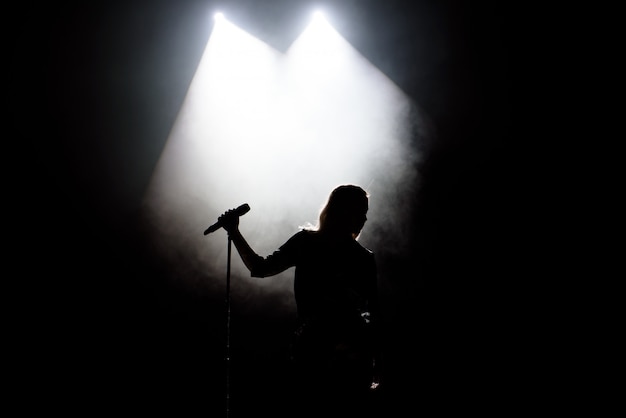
(228, 328)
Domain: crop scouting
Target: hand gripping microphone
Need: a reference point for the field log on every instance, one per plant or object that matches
(240, 211)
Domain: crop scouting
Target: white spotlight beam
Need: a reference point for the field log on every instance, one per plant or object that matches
(278, 132)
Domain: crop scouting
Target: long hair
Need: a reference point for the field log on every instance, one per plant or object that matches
(345, 211)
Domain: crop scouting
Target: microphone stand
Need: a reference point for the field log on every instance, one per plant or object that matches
(228, 327)
(239, 211)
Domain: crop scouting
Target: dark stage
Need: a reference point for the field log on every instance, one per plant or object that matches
(110, 328)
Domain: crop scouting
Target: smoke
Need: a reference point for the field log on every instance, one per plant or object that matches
(279, 132)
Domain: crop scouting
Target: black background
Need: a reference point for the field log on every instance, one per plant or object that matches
(105, 329)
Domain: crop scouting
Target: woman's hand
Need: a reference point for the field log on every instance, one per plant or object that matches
(229, 221)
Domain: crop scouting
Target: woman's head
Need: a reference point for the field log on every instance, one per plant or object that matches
(345, 211)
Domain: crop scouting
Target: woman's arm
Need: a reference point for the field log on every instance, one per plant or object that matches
(259, 266)
(230, 222)
(250, 258)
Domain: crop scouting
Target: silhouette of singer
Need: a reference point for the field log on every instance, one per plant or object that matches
(335, 351)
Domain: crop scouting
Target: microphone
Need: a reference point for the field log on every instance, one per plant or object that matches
(240, 211)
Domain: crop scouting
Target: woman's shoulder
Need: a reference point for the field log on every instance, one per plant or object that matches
(305, 234)
(300, 237)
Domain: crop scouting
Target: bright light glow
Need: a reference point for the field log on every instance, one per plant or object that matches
(318, 15)
(280, 132)
(218, 16)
